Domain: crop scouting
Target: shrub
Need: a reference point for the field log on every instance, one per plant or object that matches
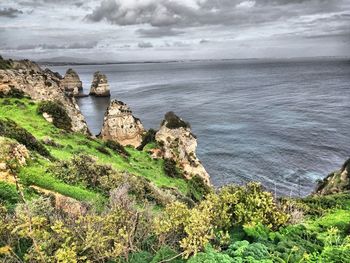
(117, 147)
(197, 188)
(174, 122)
(170, 169)
(13, 93)
(148, 137)
(210, 256)
(103, 150)
(5, 64)
(60, 117)
(10, 129)
(242, 251)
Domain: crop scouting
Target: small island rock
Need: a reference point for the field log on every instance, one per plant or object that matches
(121, 126)
(71, 82)
(100, 86)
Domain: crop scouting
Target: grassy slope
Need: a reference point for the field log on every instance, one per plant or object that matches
(139, 163)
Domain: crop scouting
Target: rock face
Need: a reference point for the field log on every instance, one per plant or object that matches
(336, 182)
(41, 85)
(99, 86)
(121, 126)
(11, 150)
(72, 83)
(179, 144)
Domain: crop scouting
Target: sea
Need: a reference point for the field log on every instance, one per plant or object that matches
(284, 123)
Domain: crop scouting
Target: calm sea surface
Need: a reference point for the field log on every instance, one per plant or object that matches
(283, 123)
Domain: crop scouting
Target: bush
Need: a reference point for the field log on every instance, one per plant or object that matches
(13, 93)
(103, 150)
(10, 129)
(197, 188)
(148, 137)
(5, 64)
(117, 148)
(174, 122)
(210, 256)
(60, 117)
(171, 170)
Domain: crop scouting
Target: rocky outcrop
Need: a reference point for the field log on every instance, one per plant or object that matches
(99, 86)
(41, 85)
(121, 126)
(179, 144)
(12, 151)
(336, 182)
(72, 83)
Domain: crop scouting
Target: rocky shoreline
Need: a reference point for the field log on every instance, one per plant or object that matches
(175, 140)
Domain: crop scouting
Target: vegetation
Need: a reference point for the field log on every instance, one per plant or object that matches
(59, 115)
(5, 64)
(174, 122)
(132, 208)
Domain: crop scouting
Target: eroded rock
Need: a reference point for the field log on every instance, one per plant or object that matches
(100, 86)
(336, 182)
(179, 144)
(72, 83)
(121, 126)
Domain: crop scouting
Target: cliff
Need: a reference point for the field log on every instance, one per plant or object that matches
(179, 144)
(41, 85)
(336, 182)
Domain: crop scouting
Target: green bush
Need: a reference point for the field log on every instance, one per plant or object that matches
(13, 93)
(10, 129)
(117, 148)
(60, 117)
(210, 256)
(171, 170)
(165, 253)
(242, 251)
(197, 188)
(148, 137)
(174, 122)
(5, 64)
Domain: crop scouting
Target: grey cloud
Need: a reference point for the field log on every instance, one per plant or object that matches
(87, 45)
(145, 45)
(204, 41)
(167, 13)
(10, 12)
(158, 32)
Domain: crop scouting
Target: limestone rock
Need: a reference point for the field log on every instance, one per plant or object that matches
(336, 182)
(99, 86)
(179, 144)
(41, 85)
(72, 83)
(121, 126)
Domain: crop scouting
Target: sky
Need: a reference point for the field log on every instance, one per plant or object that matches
(144, 30)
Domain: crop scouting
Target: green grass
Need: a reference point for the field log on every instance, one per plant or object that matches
(139, 163)
(36, 174)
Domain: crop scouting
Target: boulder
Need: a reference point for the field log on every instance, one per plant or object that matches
(179, 144)
(99, 86)
(336, 182)
(72, 83)
(41, 85)
(121, 126)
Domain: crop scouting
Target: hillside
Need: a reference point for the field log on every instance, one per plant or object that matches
(67, 196)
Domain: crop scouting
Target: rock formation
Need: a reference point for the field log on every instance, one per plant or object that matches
(72, 83)
(336, 182)
(41, 85)
(121, 126)
(99, 86)
(179, 144)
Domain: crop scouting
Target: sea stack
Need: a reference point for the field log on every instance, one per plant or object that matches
(179, 144)
(99, 86)
(72, 83)
(121, 126)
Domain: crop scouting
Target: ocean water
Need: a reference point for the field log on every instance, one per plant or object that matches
(283, 123)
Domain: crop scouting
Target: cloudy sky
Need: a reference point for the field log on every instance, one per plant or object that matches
(133, 30)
